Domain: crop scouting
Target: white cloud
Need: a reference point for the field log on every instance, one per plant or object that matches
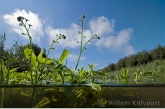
(111, 40)
(102, 26)
(74, 57)
(118, 43)
(71, 33)
(35, 31)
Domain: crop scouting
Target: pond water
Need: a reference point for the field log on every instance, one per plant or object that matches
(74, 96)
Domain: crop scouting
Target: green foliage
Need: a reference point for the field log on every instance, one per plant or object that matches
(95, 86)
(151, 73)
(121, 64)
(36, 49)
(63, 56)
(2, 45)
(43, 60)
(143, 57)
(29, 54)
(137, 76)
(140, 58)
(131, 60)
(122, 78)
(39, 67)
(158, 53)
(2, 71)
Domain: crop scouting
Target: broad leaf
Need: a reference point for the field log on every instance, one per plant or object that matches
(43, 60)
(125, 73)
(82, 72)
(95, 86)
(63, 56)
(91, 69)
(29, 54)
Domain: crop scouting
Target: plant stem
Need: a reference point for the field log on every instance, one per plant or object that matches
(81, 49)
(49, 51)
(30, 40)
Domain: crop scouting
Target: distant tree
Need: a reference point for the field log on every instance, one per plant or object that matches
(139, 58)
(131, 60)
(143, 57)
(3, 53)
(121, 63)
(112, 67)
(158, 53)
(164, 52)
(17, 58)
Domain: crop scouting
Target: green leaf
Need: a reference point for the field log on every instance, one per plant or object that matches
(59, 70)
(102, 73)
(3, 70)
(125, 73)
(82, 72)
(91, 69)
(13, 70)
(42, 60)
(63, 56)
(29, 54)
(75, 74)
(95, 86)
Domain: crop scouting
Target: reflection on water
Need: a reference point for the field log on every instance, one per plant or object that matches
(23, 97)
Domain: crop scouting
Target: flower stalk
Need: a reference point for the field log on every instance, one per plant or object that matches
(81, 24)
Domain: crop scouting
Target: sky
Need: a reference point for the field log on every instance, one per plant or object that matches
(125, 27)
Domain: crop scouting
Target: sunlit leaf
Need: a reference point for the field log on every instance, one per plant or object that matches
(125, 73)
(29, 54)
(75, 74)
(63, 56)
(95, 86)
(43, 60)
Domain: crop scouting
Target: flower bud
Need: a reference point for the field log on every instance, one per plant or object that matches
(23, 33)
(64, 37)
(83, 16)
(20, 18)
(29, 25)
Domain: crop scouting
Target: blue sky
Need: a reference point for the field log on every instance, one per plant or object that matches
(124, 26)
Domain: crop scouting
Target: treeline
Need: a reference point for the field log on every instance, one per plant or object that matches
(14, 57)
(140, 58)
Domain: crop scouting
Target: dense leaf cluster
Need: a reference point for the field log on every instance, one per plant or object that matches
(14, 57)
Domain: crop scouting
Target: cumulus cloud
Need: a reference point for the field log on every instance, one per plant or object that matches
(36, 30)
(71, 33)
(74, 57)
(102, 26)
(117, 43)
